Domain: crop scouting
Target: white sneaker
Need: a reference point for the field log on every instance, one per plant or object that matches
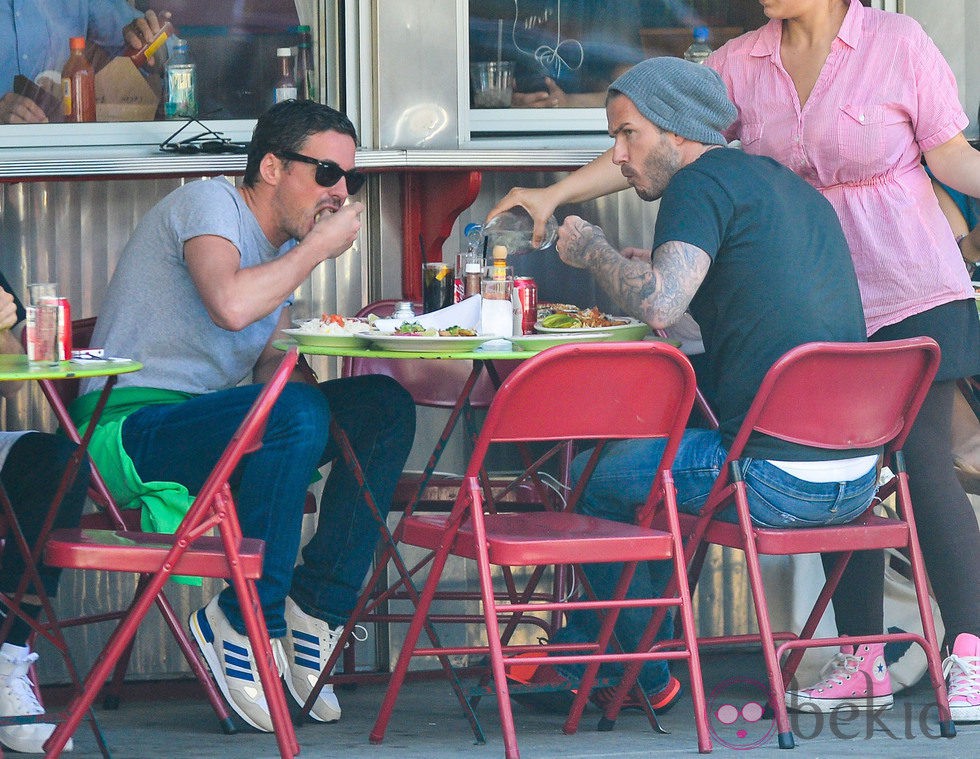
(309, 642)
(17, 699)
(229, 655)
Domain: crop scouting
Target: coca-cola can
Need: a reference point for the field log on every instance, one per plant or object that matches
(64, 326)
(525, 305)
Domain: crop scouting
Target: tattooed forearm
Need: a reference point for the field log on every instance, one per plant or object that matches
(679, 269)
(657, 292)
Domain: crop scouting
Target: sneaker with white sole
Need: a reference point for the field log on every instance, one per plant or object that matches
(232, 663)
(18, 699)
(854, 678)
(309, 642)
(962, 668)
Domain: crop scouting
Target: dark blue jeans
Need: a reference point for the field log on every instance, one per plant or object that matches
(622, 480)
(182, 442)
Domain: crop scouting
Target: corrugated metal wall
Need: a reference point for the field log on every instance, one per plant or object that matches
(74, 232)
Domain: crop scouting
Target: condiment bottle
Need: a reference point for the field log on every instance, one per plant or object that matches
(305, 75)
(286, 83)
(139, 57)
(78, 84)
(498, 269)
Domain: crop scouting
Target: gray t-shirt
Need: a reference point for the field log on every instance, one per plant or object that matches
(152, 311)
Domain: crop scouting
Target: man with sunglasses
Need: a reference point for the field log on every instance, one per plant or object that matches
(200, 292)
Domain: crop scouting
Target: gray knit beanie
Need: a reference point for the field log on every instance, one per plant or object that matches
(688, 99)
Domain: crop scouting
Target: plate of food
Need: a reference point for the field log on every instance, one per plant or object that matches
(412, 336)
(541, 341)
(331, 331)
(591, 320)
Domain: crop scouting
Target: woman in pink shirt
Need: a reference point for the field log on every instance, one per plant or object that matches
(850, 99)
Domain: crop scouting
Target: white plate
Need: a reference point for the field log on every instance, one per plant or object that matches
(426, 343)
(540, 342)
(326, 341)
(634, 329)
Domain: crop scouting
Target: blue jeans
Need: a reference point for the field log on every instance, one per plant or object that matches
(182, 442)
(621, 482)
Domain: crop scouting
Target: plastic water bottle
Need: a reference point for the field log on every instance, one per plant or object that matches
(181, 83)
(699, 50)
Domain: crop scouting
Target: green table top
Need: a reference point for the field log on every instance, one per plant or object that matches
(14, 366)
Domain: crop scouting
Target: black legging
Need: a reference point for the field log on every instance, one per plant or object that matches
(31, 475)
(947, 528)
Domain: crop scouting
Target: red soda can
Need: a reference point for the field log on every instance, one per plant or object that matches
(64, 327)
(525, 305)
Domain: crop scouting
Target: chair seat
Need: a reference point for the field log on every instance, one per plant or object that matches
(125, 551)
(544, 537)
(867, 532)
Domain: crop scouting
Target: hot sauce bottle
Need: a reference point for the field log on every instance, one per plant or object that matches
(78, 84)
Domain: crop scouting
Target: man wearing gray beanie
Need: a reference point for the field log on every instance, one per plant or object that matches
(759, 259)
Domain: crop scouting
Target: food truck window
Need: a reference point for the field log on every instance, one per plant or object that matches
(232, 43)
(564, 53)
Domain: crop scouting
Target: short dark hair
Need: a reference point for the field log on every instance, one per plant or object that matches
(286, 126)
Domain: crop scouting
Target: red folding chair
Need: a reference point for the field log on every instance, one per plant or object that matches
(108, 516)
(837, 396)
(564, 393)
(460, 388)
(192, 550)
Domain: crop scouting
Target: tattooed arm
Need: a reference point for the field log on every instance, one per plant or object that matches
(658, 292)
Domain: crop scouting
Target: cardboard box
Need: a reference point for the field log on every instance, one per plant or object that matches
(123, 94)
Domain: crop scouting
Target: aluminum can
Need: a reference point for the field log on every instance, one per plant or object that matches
(64, 326)
(525, 305)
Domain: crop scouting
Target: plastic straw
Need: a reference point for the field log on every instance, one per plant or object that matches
(500, 40)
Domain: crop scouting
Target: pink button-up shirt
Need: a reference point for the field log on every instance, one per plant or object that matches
(884, 95)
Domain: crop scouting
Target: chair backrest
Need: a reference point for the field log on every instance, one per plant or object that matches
(247, 438)
(842, 396)
(587, 391)
(430, 383)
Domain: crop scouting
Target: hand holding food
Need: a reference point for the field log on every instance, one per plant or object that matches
(333, 233)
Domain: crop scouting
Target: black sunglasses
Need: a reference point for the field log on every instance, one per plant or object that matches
(327, 172)
(208, 141)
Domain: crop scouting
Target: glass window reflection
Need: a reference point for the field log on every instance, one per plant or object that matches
(566, 52)
(233, 45)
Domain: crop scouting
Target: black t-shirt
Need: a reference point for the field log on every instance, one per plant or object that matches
(21, 313)
(781, 275)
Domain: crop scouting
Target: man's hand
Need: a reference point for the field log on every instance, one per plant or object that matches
(17, 109)
(552, 96)
(576, 240)
(334, 233)
(8, 310)
(536, 201)
(142, 29)
(637, 254)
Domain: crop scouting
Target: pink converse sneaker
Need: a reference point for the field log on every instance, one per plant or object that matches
(963, 670)
(857, 679)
